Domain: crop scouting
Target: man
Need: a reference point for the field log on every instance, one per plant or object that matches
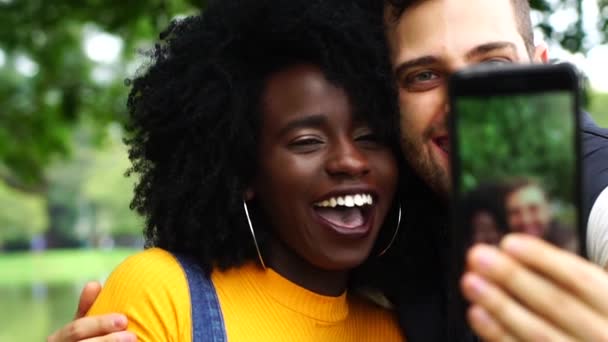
(528, 211)
(429, 40)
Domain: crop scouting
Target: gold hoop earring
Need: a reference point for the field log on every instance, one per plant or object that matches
(255, 241)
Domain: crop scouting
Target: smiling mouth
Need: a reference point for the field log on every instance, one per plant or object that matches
(346, 214)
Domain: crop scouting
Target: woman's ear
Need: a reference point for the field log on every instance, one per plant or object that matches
(249, 194)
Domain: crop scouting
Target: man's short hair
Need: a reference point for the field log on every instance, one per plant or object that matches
(521, 9)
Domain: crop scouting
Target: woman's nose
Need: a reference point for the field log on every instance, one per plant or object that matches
(347, 159)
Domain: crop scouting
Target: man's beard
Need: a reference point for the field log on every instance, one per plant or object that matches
(426, 166)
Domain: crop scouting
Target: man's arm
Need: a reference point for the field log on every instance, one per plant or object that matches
(595, 183)
(103, 328)
(597, 231)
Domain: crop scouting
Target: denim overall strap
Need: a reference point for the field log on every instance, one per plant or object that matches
(207, 321)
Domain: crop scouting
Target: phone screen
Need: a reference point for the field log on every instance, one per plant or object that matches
(517, 166)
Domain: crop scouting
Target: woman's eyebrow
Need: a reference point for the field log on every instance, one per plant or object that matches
(314, 121)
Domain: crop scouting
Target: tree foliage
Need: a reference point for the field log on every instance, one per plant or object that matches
(40, 111)
(56, 112)
(528, 136)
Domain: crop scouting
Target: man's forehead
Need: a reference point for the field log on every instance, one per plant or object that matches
(531, 192)
(438, 27)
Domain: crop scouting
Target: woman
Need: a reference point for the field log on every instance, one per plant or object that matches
(484, 214)
(264, 134)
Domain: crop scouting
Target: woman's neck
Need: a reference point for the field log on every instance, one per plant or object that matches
(299, 271)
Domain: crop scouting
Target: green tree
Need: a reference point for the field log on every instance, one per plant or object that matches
(524, 136)
(40, 111)
(47, 104)
(49, 89)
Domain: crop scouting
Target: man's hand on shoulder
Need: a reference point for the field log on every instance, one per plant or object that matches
(104, 328)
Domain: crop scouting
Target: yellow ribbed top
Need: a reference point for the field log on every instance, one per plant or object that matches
(257, 305)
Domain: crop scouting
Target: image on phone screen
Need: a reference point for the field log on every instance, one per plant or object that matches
(517, 166)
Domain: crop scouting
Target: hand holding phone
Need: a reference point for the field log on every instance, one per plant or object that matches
(515, 162)
(515, 154)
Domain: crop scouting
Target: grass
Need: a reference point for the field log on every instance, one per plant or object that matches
(39, 291)
(58, 266)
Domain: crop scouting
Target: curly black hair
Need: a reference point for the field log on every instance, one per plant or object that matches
(488, 197)
(195, 111)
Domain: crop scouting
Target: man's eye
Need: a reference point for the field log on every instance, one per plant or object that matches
(424, 76)
(421, 81)
(496, 61)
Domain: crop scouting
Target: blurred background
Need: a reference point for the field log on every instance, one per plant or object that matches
(64, 197)
(527, 137)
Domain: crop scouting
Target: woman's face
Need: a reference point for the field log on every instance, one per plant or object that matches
(485, 228)
(324, 183)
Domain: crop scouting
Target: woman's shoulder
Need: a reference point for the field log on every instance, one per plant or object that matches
(150, 288)
(152, 270)
(150, 261)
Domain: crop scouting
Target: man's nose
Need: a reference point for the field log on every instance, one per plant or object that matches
(447, 108)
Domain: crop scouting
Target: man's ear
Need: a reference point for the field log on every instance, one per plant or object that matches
(541, 53)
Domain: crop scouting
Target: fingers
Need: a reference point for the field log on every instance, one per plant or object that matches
(88, 327)
(580, 277)
(486, 327)
(511, 318)
(87, 298)
(545, 299)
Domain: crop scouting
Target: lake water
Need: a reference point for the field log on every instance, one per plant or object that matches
(30, 313)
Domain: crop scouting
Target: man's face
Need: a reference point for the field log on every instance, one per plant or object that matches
(528, 211)
(431, 40)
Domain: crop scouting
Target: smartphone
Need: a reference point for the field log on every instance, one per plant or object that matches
(515, 160)
(515, 154)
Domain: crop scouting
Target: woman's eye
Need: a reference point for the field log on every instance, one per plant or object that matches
(367, 137)
(305, 144)
(368, 140)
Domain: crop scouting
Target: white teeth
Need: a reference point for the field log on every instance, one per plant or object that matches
(349, 201)
(332, 202)
(359, 200)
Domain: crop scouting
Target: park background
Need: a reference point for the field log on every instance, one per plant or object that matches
(514, 137)
(64, 199)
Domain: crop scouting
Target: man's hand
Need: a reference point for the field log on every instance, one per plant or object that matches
(530, 290)
(105, 328)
